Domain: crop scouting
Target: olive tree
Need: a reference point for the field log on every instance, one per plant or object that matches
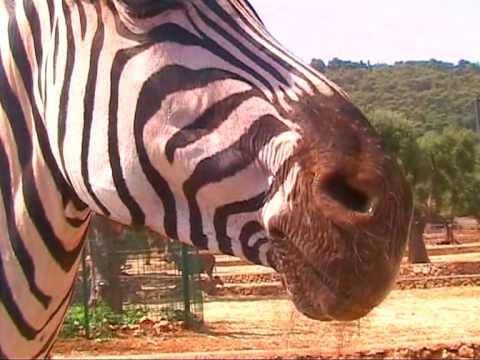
(401, 139)
(442, 168)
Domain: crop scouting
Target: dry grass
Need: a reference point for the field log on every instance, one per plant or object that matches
(408, 318)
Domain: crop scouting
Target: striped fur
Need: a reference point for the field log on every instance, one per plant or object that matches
(171, 114)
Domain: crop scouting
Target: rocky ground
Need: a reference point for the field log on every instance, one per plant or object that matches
(434, 313)
(440, 322)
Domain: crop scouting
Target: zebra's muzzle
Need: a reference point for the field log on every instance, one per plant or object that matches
(315, 293)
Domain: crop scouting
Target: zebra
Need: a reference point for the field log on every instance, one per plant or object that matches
(189, 118)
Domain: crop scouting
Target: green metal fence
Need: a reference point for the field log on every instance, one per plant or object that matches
(119, 284)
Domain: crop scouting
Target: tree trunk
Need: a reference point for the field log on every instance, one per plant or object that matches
(106, 263)
(450, 237)
(417, 252)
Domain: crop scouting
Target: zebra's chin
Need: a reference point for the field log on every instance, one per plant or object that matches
(319, 295)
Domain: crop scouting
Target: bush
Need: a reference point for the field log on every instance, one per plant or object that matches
(102, 320)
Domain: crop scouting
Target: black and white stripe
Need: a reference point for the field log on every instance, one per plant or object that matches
(172, 114)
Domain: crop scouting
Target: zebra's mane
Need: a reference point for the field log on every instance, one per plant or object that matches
(144, 7)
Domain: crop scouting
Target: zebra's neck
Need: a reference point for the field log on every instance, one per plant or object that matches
(42, 224)
(77, 135)
(208, 98)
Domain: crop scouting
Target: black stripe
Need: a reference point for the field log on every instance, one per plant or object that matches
(6, 295)
(88, 105)
(35, 28)
(47, 347)
(82, 17)
(121, 58)
(281, 174)
(74, 222)
(222, 214)
(215, 48)
(228, 19)
(251, 252)
(174, 33)
(63, 302)
(6, 298)
(19, 53)
(77, 222)
(64, 94)
(33, 202)
(147, 8)
(56, 45)
(252, 10)
(51, 12)
(227, 163)
(12, 108)
(211, 119)
(280, 49)
(168, 80)
(241, 47)
(36, 31)
(38, 214)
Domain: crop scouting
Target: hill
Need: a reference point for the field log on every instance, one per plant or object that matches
(431, 93)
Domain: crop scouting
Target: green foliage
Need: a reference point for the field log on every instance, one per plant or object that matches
(424, 111)
(431, 93)
(441, 166)
(453, 156)
(400, 137)
(102, 321)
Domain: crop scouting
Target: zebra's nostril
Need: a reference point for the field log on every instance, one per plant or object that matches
(338, 188)
(276, 233)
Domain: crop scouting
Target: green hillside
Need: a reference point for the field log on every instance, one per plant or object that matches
(431, 93)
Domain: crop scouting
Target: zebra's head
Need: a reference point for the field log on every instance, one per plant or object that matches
(217, 136)
(338, 214)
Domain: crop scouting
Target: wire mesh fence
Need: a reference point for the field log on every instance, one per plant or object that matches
(130, 276)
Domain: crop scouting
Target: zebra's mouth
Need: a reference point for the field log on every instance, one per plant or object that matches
(315, 293)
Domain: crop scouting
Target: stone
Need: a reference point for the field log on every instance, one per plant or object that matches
(162, 326)
(426, 354)
(447, 354)
(146, 323)
(417, 269)
(138, 333)
(403, 353)
(466, 352)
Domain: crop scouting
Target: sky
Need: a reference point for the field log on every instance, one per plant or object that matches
(379, 31)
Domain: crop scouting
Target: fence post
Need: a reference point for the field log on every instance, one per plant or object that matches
(186, 285)
(85, 292)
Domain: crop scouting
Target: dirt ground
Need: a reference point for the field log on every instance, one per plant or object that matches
(262, 326)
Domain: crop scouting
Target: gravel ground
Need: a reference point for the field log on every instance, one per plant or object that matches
(408, 319)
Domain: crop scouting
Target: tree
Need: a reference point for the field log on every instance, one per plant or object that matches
(400, 137)
(453, 167)
(442, 168)
(105, 285)
(110, 244)
(318, 64)
(430, 93)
